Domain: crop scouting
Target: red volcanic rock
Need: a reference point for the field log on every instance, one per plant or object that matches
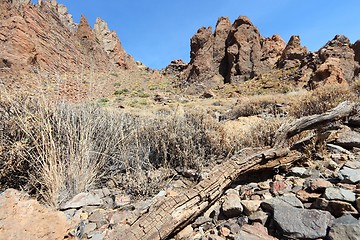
(201, 55)
(243, 51)
(43, 37)
(293, 54)
(111, 44)
(221, 34)
(272, 49)
(337, 65)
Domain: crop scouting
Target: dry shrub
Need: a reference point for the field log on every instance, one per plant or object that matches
(258, 133)
(320, 100)
(57, 151)
(255, 105)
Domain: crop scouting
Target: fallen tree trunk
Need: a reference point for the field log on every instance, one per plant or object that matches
(287, 131)
(172, 213)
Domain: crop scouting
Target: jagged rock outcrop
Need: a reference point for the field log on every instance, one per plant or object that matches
(337, 63)
(272, 49)
(222, 30)
(293, 54)
(243, 51)
(201, 64)
(175, 67)
(237, 52)
(43, 37)
(111, 44)
(233, 52)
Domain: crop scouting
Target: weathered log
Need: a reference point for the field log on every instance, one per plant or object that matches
(172, 213)
(289, 130)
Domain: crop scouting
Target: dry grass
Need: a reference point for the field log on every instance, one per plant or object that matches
(321, 99)
(57, 151)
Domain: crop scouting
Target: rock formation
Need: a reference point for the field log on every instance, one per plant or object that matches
(293, 54)
(111, 44)
(236, 52)
(43, 37)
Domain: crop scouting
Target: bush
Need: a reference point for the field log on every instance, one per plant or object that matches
(57, 151)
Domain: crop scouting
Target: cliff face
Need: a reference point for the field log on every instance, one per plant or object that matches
(43, 37)
(237, 52)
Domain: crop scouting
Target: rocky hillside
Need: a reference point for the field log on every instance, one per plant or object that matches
(43, 37)
(234, 53)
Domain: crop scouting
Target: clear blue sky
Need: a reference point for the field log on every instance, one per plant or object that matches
(156, 32)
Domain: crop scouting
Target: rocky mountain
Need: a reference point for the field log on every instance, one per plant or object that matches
(43, 37)
(237, 52)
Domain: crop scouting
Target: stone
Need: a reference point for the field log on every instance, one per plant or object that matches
(250, 206)
(287, 200)
(99, 217)
(185, 233)
(339, 208)
(24, 218)
(337, 149)
(319, 185)
(346, 219)
(339, 194)
(348, 139)
(89, 228)
(305, 196)
(304, 223)
(253, 232)
(231, 206)
(81, 200)
(97, 236)
(224, 231)
(233, 225)
(121, 201)
(200, 221)
(345, 227)
(358, 203)
(350, 175)
(259, 216)
(277, 187)
(299, 171)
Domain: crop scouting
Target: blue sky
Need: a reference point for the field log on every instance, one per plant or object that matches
(156, 32)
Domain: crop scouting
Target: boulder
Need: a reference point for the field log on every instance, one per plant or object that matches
(347, 138)
(81, 200)
(253, 232)
(302, 223)
(231, 206)
(346, 227)
(288, 200)
(24, 218)
(341, 194)
(350, 175)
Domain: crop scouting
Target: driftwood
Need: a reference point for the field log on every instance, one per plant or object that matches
(172, 213)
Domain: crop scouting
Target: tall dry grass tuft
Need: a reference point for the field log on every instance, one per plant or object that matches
(321, 99)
